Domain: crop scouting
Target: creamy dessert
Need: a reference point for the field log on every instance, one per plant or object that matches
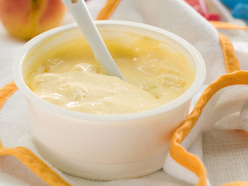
(70, 77)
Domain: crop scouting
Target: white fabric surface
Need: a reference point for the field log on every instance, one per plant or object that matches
(223, 164)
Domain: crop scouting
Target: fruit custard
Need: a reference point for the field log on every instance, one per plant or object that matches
(69, 76)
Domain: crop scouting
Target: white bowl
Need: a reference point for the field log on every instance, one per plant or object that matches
(105, 147)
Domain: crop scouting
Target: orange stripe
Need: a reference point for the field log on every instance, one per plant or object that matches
(225, 25)
(108, 9)
(178, 153)
(231, 61)
(6, 92)
(25, 155)
(238, 183)
(35, 164)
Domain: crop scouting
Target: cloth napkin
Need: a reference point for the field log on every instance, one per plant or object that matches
(209, 147)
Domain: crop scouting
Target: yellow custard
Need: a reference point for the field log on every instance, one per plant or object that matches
(69, 76)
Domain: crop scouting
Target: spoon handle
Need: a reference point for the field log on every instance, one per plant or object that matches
(83, 18)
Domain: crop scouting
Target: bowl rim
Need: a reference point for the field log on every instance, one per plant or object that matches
(186, 96)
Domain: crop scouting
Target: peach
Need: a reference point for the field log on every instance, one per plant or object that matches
(28, 18)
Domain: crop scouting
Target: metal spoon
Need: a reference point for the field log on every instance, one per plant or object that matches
(80, 13)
